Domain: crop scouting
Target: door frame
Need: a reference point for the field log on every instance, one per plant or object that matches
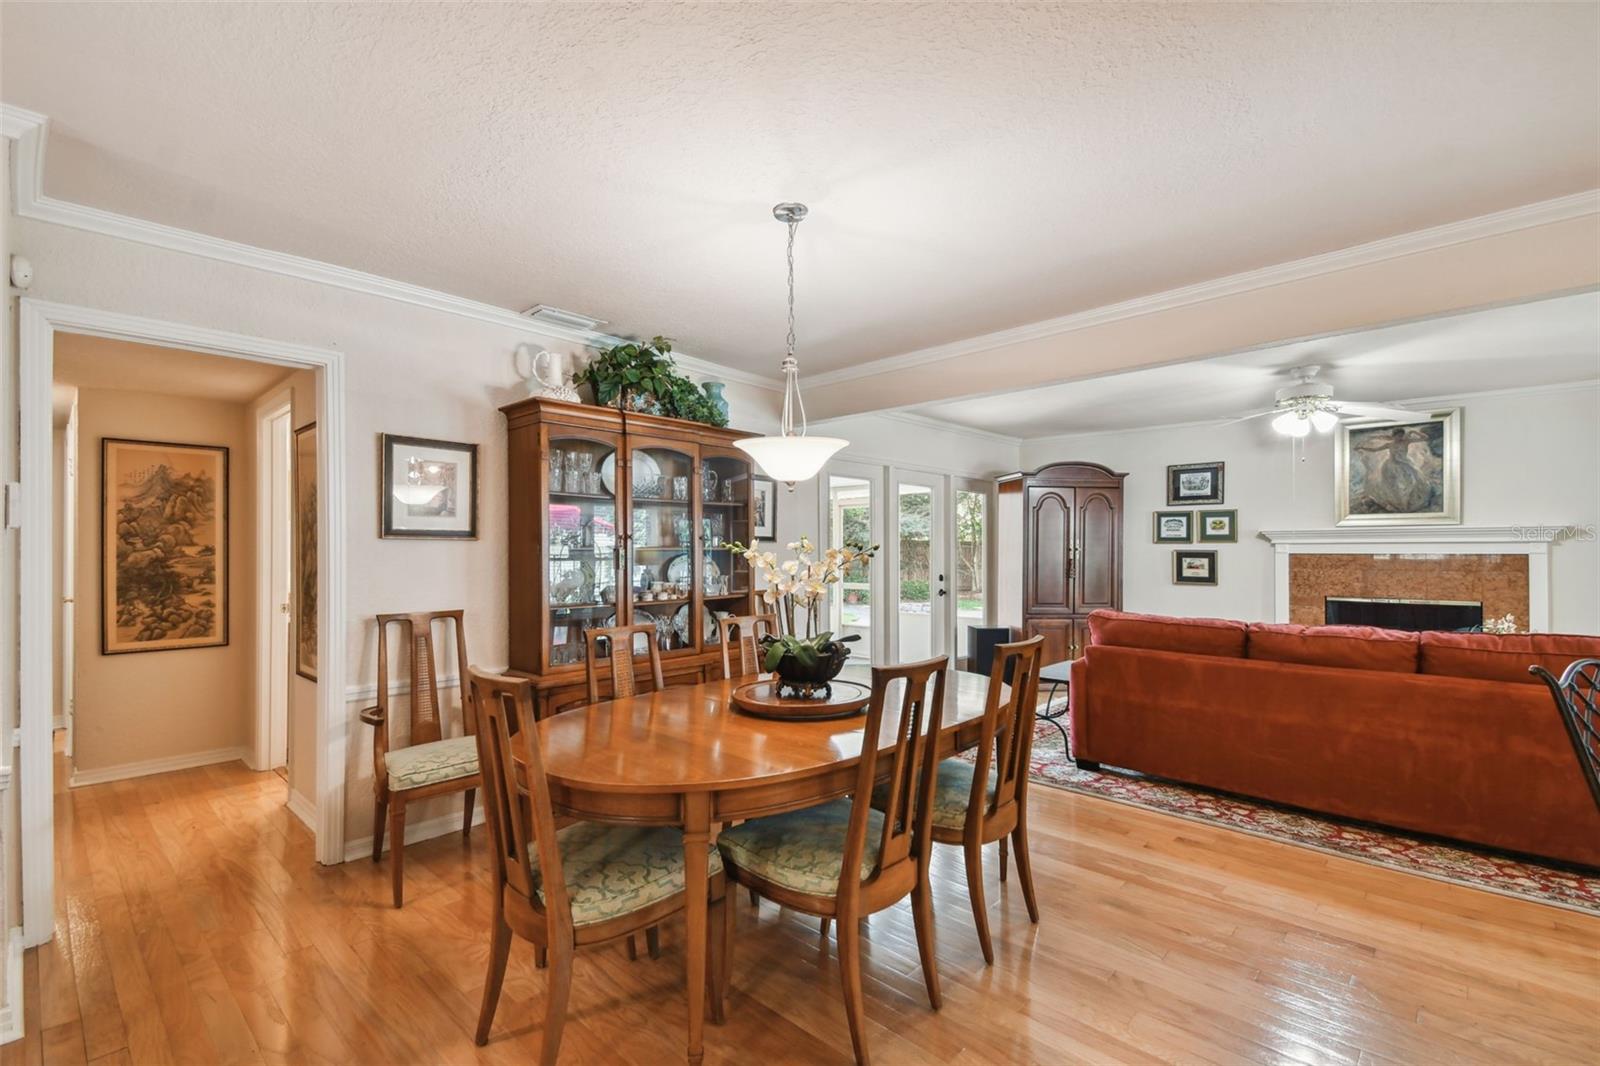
(68, 564)
(940, 628)
(876, 475)
(280, 403)
(39, 321)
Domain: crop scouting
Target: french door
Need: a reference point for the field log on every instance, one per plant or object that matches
(919, 579)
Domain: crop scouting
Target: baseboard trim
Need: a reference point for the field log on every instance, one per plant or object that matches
(58, 723)
(416, 833)
(11, 1010)
(303, 809)
(157, 766)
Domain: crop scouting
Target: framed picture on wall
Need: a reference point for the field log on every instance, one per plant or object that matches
(430, 488)
(1218, 527)
(1194, 483)
(1399, 473)
(764, 491)
(1194, 568)
(164, 550)
(1173, 527)
(305, 551)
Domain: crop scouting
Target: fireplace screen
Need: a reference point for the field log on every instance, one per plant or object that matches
(1416, 615)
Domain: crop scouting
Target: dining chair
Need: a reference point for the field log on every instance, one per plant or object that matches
(587, 883)
(619, 653)
(430, 764)
(1577, 695)
(846, 859)
(746, 647)
(980, 802)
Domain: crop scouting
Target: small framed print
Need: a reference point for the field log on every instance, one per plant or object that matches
(764, 491)
(1173, 527)
(305, 559)
(1194, 483)
(1194, 568)
(430, 489)
(1218, 527)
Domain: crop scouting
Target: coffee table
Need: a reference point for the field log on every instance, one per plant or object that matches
(1059, 676)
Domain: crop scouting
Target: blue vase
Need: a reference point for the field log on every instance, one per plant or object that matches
(713, 390)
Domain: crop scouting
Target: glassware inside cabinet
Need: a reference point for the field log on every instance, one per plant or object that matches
(581, 544)
(725, 511)
(661, 570)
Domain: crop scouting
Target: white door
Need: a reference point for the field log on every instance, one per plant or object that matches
(278, 582)
(972, 541)
(69, 565)
(852, 516)
(919, 585)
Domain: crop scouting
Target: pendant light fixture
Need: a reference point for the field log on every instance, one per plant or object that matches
(792, 455)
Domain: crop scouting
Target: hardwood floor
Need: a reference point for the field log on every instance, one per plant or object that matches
(192, 925)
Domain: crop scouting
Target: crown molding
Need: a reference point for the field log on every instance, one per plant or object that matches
(1543, 213)
(30, 129)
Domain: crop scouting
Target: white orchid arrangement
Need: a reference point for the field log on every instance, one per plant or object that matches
(1508, 624)
(801, 583)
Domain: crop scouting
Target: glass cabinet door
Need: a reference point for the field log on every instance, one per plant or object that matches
(661, 572)
(581, 543)
(725, 518)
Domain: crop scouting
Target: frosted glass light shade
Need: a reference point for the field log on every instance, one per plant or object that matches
(1291, 424)
(790, 459)
(1322, 421)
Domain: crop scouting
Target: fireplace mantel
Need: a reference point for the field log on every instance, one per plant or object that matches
(1531, 541)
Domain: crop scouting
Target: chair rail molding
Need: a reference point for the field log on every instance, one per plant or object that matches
(1534, 541)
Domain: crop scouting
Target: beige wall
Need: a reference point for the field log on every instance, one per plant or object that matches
(133, 708)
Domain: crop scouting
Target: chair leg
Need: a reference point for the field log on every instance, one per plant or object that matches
(755, 900)
(499, 951)
(555, 1005)
(725, 960)
(850, 977)
(652, 941)
(716, 976)
(380, 819)
(980, 909)
(633, 949)
(1002, 859)
(922, 917)
(1019, 836)
(397, 849)
(541, 958)
(466, 812)
(824, 925)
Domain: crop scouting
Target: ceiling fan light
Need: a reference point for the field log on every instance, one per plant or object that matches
(1291, 424)
(1323, 421)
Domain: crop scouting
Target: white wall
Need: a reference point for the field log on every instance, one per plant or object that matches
(1528, 458)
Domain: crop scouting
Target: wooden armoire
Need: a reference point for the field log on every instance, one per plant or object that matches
(1071, 533)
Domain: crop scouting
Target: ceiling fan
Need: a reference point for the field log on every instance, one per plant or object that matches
(1306, 404)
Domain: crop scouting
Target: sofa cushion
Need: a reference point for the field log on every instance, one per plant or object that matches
(1492, 657)
(1154, 632)
(1347, 647)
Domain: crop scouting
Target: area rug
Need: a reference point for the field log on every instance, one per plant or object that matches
(1487, 870)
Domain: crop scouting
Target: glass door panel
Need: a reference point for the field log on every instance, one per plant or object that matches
(971, 564)
(849, 509)
(919, 573)
(581, 543)
(725, 585)
(661, 562)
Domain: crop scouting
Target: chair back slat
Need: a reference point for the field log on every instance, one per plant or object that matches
(1577, 696)
(619, 654)
(1005, 740)
(908, 812)
(427, 705)
(517, 794)
(745, 647)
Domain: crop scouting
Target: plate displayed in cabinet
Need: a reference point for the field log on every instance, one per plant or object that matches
(645, 470)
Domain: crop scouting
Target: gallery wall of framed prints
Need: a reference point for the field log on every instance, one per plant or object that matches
(1195, 484)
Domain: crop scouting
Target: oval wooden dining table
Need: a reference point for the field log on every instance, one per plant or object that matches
(685, 757)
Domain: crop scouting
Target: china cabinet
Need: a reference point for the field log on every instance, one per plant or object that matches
(618, 518)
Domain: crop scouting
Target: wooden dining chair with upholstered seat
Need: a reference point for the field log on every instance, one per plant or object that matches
(745, 647)
(430, 764)
(624, 669)
(980, 802)
(845, 859)
(561, 890)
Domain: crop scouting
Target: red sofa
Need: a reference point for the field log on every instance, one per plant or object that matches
(1441, 733)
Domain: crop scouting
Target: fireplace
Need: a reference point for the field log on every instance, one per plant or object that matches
(1414, 615)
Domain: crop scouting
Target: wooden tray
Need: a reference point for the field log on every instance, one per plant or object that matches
(760, 698)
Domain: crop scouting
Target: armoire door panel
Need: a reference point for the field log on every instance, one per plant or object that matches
(1049, 566)
(1098, 570)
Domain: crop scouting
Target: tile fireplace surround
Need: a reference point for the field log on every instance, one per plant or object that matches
(1506, 568)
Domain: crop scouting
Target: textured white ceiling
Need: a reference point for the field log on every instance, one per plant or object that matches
(1546, 342)
(98, 363)
(970, 166)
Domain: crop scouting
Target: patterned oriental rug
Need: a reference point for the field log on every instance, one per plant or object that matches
(1559, 886)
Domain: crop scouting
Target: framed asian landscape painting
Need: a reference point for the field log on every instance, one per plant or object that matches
(1399, 473)
(305, 551)
(164, 546)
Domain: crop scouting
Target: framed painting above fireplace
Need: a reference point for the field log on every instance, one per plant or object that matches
(1399, 473)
